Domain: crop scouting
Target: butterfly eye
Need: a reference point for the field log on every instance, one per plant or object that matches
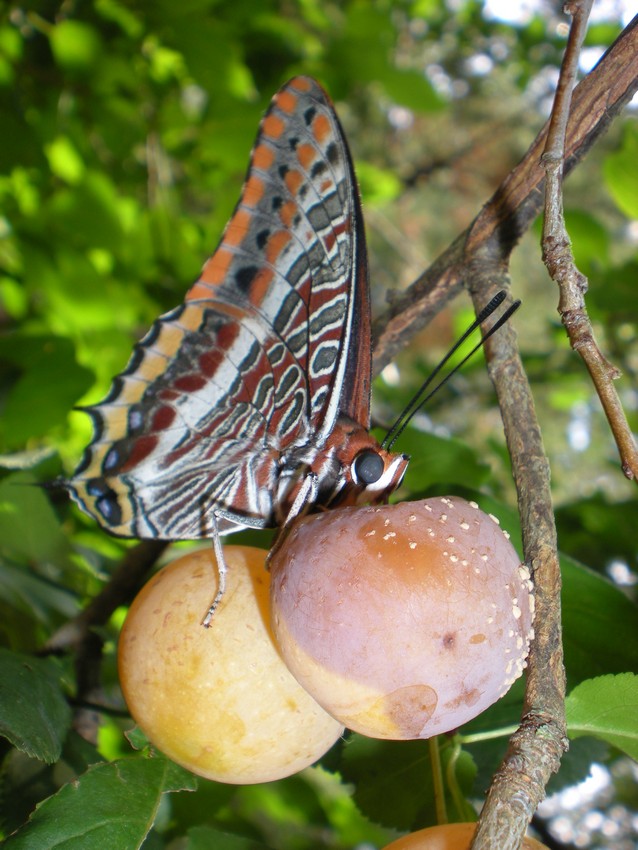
(368, 467)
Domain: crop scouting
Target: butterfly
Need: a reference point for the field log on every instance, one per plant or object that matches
(250, 403)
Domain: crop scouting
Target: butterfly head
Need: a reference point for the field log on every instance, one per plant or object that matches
(368, 472)
(376, 473)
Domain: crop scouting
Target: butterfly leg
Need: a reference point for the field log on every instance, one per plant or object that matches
(221, 574)
(307, 495)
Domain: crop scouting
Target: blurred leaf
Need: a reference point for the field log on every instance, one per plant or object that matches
(64, 160)
(29, 529)
(87, 213)
(612, 289)
(47, 383)
(589, 238)
(378, 185)
(599, 625)
(111, 805)
(34, 597)
(435, 460)
(621, 176)
(112, 10)
(75, 45)
(597, 531)
(205, 837)
(34, 715)
(606, 707)
(365, 48)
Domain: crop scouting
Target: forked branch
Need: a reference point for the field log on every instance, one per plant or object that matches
(559, 259)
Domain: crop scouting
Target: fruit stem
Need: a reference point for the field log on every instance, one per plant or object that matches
(503, 732)
(437, 780)
(452, 779)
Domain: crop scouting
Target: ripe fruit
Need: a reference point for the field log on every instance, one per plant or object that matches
(402, 621)
(450, 836)
(218, 701)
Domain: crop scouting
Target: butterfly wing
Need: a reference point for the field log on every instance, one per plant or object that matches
(269, 348)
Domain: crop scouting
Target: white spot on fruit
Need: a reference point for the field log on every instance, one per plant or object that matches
(494, 519)
(465, 526)
(449, 539)
(524, 573)
(516, 611)
(473, 505)
(412, 545)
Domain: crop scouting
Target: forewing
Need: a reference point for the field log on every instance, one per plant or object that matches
(255, 362)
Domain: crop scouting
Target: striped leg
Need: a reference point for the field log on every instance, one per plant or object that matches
(221, 574)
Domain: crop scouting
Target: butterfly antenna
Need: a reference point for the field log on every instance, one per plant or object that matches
(419, 399)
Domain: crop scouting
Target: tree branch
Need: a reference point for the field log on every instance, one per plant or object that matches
(597, 100)
(559, 259)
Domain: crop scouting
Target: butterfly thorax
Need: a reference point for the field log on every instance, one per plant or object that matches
(350, 468)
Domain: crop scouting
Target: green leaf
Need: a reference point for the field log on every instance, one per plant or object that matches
(29, 530)
(614, 292)
(205, 837)
(589, 238)
(34, 715)
(621, 175)
(599, 625)
(436, 460)
(393, 780)
(606, 707)
(33, 597)
(47, 381)
(111, 805)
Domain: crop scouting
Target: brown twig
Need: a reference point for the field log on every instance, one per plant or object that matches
(559, 259)
(535, 750)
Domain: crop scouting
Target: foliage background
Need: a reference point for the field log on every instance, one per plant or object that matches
(125, 133)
